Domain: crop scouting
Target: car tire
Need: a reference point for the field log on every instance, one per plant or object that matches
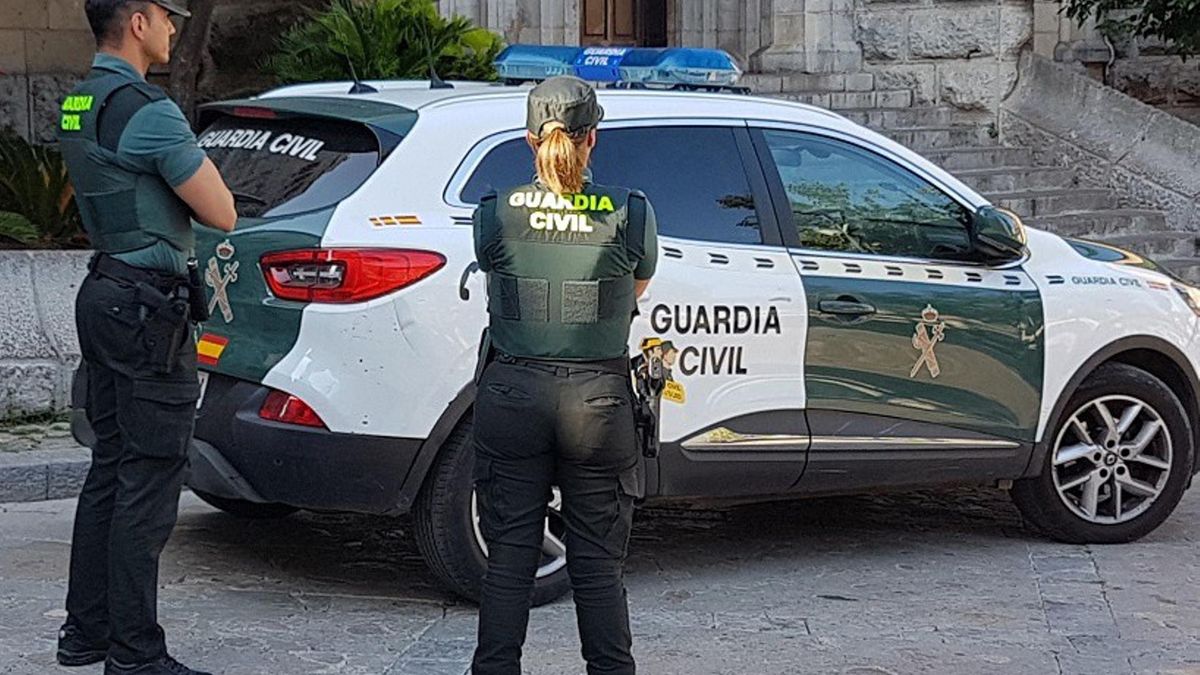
(244, 509)
(1102, 509)
(446, 529)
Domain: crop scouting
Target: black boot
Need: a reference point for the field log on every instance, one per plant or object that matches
(163, 666)
(77, 649)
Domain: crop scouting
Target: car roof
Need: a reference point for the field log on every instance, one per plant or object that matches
(507, 102)
(417, 95)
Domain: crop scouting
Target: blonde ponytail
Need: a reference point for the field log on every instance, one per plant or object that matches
(561, 161)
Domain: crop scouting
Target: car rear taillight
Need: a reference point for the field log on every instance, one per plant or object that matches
(344, 275)
(281, 407)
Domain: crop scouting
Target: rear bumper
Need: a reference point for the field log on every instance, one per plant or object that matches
(239, 455)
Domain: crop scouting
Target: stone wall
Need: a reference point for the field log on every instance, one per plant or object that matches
(1142, 68)
(1147, 156)
(44, 46)
(964, 54)
(38, 346)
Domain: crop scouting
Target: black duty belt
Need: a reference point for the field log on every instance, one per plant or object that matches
(104, 265)
(617, 366)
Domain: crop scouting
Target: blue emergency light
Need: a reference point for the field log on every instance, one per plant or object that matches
(678, 68)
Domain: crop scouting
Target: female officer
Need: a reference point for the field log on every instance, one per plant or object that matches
(565, 260)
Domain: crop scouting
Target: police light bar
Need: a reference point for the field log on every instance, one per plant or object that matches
(683, 68)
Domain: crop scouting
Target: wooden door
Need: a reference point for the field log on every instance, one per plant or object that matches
(610, 22)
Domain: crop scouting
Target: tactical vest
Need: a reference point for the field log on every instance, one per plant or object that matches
(561, 280)
(121, 210)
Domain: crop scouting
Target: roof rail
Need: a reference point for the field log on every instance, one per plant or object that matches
(675, 69)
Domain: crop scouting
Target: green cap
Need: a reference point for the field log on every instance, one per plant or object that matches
(172, 7)
(564, 99)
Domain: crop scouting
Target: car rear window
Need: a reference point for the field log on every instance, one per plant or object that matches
(278, 167)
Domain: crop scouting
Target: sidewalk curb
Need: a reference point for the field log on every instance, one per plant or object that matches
(40, 475)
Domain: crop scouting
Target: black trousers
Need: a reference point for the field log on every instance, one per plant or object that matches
(143, 420)
(538, 426)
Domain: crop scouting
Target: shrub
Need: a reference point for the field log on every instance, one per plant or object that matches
(383, 39)
(1176, 22)
(34, 186)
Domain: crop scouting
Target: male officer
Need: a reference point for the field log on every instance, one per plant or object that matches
(139, 178)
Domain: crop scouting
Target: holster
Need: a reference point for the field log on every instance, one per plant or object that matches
(648, 383)
(197, 294)
(164, 325)
(487, 354)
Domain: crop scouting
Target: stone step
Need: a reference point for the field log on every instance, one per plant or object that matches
(851, 100)
(1157, 245)
(1034, 203)
(929, 116)
(1101, 224)
(944, 137)
(1013, 178)
(956, 159)
(1188, 268)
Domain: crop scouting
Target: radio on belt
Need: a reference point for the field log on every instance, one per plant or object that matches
(622, 67)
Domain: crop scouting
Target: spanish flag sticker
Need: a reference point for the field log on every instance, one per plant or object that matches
(209, 349)
(392, 221)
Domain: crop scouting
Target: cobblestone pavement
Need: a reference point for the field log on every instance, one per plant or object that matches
(945, 582)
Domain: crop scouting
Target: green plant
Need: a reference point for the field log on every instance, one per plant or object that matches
(1176, 22)
(383, 39)
(34, 184)
(16, 231)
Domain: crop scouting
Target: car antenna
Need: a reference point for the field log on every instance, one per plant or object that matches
(435, 80)
(359, 87)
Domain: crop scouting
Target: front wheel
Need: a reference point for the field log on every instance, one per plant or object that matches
(1120, 460)
(447, 527)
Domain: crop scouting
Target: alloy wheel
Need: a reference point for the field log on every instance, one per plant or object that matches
(1112, 459)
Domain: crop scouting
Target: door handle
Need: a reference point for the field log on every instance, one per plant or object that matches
(463, 293)
(846, 306)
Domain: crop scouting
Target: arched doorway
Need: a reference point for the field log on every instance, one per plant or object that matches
(641, 23)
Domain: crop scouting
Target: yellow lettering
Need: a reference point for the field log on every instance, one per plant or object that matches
(72, 123)
(581, 202)
(605, 204)
(77, 104)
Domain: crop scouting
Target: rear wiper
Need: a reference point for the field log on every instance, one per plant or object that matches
(245, 196)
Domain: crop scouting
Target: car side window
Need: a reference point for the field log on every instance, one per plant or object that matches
(844, 198)
(693, 176)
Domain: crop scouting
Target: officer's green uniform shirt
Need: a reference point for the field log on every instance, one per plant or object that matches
(157, 140)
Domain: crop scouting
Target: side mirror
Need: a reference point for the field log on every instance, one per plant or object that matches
(998, 234)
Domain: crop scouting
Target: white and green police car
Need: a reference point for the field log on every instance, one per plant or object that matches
(835, 312)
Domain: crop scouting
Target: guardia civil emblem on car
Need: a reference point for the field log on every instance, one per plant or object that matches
(219, 274)
(930, 331)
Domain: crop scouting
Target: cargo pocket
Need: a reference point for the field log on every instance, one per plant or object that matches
(629, 488)
(163, 416)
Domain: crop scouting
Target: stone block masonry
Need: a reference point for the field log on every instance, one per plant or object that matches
(1147, 156)
(38, 347)
(963, 54)
(45, 45)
